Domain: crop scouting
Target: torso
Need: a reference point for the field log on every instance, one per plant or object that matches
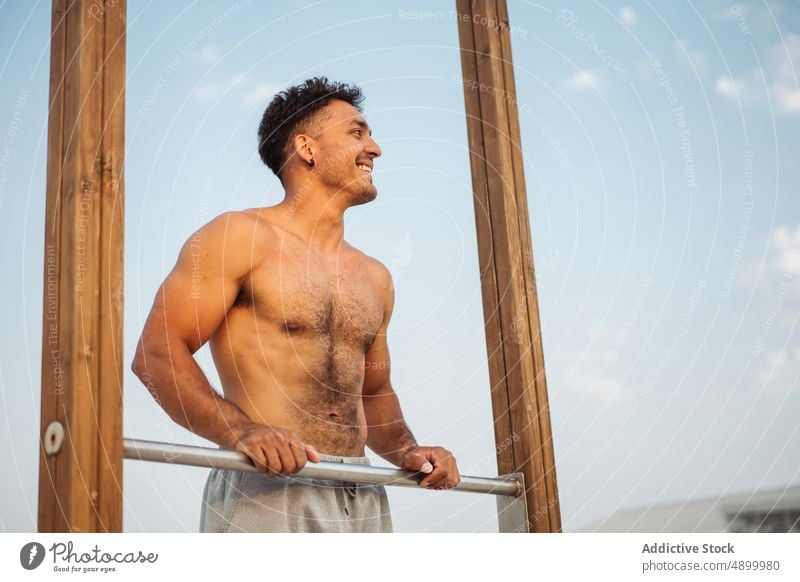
(290, 352)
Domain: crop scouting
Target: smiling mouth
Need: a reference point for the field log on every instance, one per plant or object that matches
(365, 168)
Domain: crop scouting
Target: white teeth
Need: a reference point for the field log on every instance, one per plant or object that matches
(365, 168)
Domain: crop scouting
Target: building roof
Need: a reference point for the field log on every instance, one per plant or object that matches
(766, 510)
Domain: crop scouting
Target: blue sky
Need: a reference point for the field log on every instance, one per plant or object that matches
(660, 149)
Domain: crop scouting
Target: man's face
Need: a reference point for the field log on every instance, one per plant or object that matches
(345, 154)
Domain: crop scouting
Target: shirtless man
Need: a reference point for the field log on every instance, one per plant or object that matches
(296, 319)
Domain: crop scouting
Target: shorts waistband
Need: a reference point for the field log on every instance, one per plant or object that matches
(341, 459)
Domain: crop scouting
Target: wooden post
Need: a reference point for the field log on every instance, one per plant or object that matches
(80, 476)
(513, 336)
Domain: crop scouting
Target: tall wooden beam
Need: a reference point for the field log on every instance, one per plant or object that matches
(513, 335)
(80, 475)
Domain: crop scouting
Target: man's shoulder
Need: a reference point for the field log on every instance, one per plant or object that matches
(237, 218)
(376, 269)
(238, 225)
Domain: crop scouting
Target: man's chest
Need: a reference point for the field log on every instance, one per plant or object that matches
(305, 298)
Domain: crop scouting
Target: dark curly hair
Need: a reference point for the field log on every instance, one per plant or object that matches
(296, 110)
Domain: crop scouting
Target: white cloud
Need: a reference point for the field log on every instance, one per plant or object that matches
(628, 16)
(787, 98)
(260, 94)
(238, 85)
(783, 256)
(785, 60)
(588, 373)
(738, 89)
(776, 373)
(696, 58)
(781, 74)
(727, 86)
(238, 79)
(775, 362)
(207, 91)
(745, 89)
(584, 80)
(208, 55)
(604, 390)
(785, 245)
(401, 256)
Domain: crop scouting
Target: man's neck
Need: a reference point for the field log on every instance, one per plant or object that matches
(314, 217)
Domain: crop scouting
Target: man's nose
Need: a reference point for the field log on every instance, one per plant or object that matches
(372, 148)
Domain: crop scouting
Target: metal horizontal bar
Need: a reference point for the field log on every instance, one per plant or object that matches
(366, 474)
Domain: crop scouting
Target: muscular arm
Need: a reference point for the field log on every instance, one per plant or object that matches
(388, 434)
(189, 306)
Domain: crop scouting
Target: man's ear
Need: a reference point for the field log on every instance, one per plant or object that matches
(304, 147)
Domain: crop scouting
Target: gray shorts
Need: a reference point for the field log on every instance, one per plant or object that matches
(240, 501)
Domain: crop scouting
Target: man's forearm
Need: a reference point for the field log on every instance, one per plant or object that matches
(389, 435)
(181, 388)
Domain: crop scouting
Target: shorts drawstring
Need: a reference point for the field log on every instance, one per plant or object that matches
(349, 486)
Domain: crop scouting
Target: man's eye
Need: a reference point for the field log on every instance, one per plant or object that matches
(358, 131)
